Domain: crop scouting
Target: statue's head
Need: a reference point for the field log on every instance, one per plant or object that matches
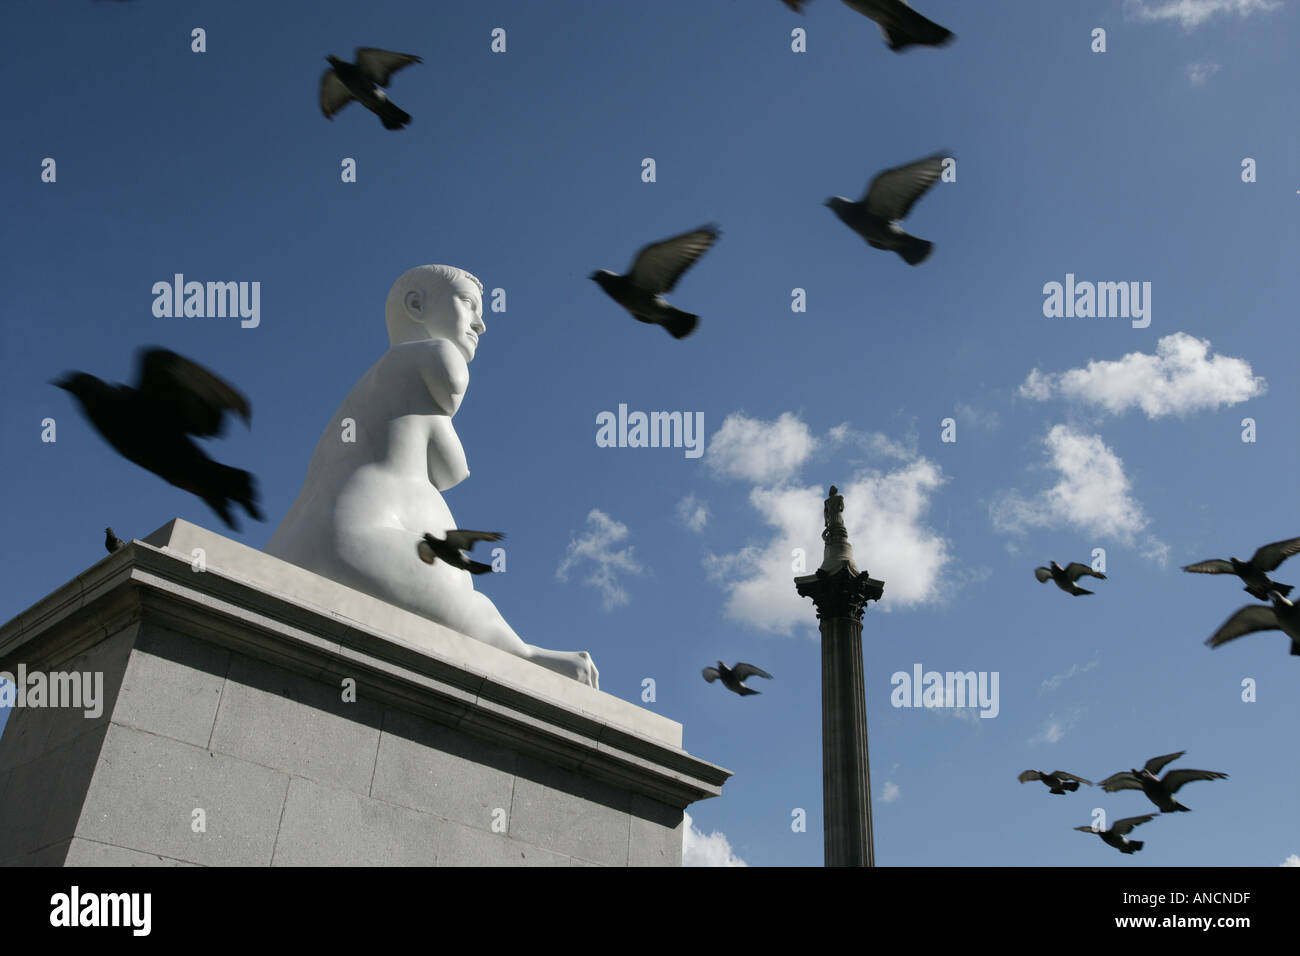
(436, 302)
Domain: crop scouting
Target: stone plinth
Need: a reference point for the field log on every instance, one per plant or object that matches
(229, 734)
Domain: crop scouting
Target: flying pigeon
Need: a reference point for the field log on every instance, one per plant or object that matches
(453, 547)
(901, 25)
(1058, 781)
(1253, 572)
(344, 82)
(654, 272)
(733, 678)
(887, 199)
(1160, 791)
(1115, 836)
(112, 542)
(1066, 576)
(1283, 616)
(150, 424)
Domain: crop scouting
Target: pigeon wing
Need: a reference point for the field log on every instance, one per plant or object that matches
(195, 398)
(1215, 566)
(1270, 556)
(333, 94)
(1029, 775)
(379, 65)
(1042, 574)
(1069, 776)
(1248, 620)
(1074, 570)
(711, 674)
(1121, 827)
(743, 670)
(464, 540)
(425, 551)
(1176, 778)
(892, 193)
(1123, 780)
(659, 265)
(1156, 764)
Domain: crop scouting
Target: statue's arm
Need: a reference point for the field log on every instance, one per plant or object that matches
(444, 373)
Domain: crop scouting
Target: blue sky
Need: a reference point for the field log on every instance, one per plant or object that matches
(524, 167)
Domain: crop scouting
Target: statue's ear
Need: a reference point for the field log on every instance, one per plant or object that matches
(413, 302)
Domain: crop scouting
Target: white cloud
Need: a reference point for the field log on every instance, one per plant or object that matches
(1037, 386)
(1056, 680)
(701, 850)
(873, 442)
(1192, 13)
(759, 451)
(890, 793)
(972, 417)
(1055, 728)
(1092, 494)
(1199, 73)
(596, 547)
(1180, 378)
(693, 513)
(1292, 860)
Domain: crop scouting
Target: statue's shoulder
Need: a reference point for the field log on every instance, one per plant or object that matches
(436, 362)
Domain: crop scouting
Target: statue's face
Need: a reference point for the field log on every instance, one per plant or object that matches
(454, 311)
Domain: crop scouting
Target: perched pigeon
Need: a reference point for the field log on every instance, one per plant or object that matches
(112, 542)
(887, 199)
(344, 82)
(1115, 836)
(1253, 572)
(1283, 616)
(453, 547)
(901, 25)
(1066, 576)
(1160, 791)
(150, 424)
(1058, 781)
(733, 677)
(654, 272)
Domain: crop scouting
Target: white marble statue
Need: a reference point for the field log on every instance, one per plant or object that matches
(366, 504)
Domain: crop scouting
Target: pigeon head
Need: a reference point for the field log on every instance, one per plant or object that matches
(602, 277)
(837, 203)
(78, 383)
(334, 61)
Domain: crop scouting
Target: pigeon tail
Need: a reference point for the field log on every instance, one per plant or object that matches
(477, 567)
(1080, 591)
(393, 117)
(1262, 593)
(914, 251)
(926, 34)
(680, 324)
(1133, 846)
(232, 484)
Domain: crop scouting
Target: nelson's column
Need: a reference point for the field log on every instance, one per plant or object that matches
(840, 593)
